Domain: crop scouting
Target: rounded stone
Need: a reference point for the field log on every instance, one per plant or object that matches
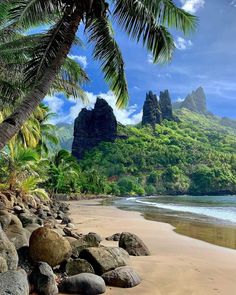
(84, 283)
(48, 246)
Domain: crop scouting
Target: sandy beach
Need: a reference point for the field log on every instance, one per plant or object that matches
(178, 265)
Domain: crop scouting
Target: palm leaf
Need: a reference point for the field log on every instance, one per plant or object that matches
(107, 51)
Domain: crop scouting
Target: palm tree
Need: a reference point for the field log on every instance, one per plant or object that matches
(145, 21)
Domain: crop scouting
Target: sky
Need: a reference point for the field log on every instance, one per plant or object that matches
(204, 58)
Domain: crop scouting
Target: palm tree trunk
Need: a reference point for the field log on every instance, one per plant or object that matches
(12, 125)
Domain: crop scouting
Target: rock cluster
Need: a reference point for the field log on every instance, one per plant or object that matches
(195, 102)
(155, 111)
(53, 257)
(92, 127)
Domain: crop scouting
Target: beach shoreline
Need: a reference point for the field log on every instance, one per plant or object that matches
(178, 265)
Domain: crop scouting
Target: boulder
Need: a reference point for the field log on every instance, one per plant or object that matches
(84, 283)
(32, 227)
(3, 265)
(69, 232)
(83, 242)
(66, 220)
(27, 218)
(43, 280)
(5, 219)
(133, 245)
(14, 283)
(77, 266)
(48, 246)
(24, 259)
(18, 236)
(8, 251)
(95, 236)
(104, 259)
(114, 237)
(122, 277)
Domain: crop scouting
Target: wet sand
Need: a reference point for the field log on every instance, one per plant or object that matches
(178, 264)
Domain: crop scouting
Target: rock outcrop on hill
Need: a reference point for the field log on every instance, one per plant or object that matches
(166, 106)
(151, 110)
(155, 111)
(92, 127)
(195, 102)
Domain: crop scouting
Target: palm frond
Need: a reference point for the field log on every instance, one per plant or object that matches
(107, 51)
(27, 13)
(140, 23)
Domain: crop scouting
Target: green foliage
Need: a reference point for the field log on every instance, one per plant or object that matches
(196, 155)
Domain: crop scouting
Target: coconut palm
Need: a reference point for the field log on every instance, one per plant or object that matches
(145, 21)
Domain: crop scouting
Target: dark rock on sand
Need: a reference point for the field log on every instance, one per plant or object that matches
(27, 218)
(85, 283)
(104, 259)
(14, 283)
(48, 246)
(133, 244)
(43, 280)
(114, 237)
(123, 277)
(82, 243)
(66, 220)
(77, 266)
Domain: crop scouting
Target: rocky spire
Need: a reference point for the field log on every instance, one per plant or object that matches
(166, 106)
(92, 127)
(151, 110)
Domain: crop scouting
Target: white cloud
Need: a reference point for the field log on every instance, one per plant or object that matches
(164, 75)
(80, 59)
(183, 44)
(54, 102)
(150, 59)
(192, 6)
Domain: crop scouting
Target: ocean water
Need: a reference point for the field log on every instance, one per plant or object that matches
(212, 208)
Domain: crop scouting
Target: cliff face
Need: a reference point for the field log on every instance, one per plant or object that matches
(151, 110)
(92, 127)
(155, 111)
(195, 102)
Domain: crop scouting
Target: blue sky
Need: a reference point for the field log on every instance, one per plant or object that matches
(205, 58)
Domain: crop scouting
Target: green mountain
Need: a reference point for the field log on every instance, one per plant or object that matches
(65, 135)
(194, 156)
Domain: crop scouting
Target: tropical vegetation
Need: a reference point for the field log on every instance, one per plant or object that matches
(38, 60)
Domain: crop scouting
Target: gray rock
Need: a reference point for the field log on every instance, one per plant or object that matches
(77, 266)
(95, 236)
(66, 220)
(83, 242)
(69, 232)
(43, 279)
(104, 259)
(8, 251)
(18, 209)
(32, 227)
(122, 277)
(5, 219)
(3, 265)
(114, 237)
(133, 245)
(85, 283)
(27, 218)
(14, 283)
(18, 236)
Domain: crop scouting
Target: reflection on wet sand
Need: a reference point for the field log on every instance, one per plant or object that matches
(214, 233)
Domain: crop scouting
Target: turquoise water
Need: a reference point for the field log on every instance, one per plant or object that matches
(207, 208)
